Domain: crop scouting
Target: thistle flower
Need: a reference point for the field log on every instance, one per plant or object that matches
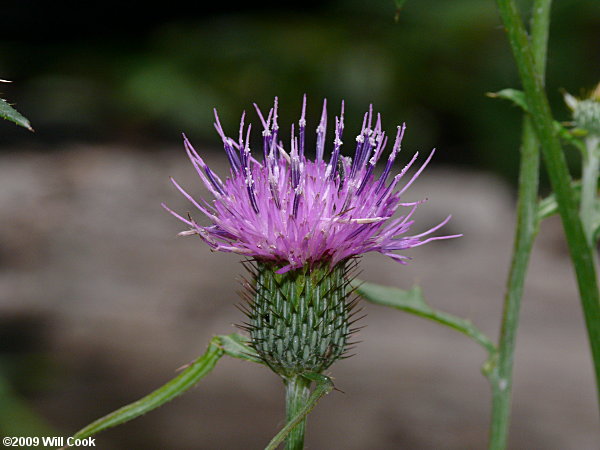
(302, 220)
(294, 211)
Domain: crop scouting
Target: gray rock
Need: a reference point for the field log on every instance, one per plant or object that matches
(87, 251)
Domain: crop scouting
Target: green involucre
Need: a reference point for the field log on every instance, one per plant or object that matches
(299, 320)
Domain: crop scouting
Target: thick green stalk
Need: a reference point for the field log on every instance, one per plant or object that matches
(554, 159)
(526, 231)
(324, 386)
(297, 392)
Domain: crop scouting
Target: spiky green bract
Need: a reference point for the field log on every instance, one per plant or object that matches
(300, 320)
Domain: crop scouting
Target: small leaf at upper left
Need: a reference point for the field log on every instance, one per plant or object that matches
(9, 113)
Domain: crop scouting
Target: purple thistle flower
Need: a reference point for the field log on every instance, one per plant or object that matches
(295, 212)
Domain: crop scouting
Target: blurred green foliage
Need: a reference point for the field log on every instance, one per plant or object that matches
(25, 372)
(431, 69)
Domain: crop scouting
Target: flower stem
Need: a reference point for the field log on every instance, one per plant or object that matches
(526, 231)
(581, 251)
(297, 392)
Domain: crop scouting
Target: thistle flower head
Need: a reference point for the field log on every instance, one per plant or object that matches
(301, 221)
(287, 209)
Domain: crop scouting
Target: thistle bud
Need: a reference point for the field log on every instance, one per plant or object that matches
(299, 320)
(586, 112)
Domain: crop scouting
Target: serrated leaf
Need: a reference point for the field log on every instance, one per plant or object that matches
(323, 387)
(514, 95)
(9, 113)
(412, 301)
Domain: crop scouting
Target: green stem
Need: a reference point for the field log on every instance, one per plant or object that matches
(297, 392)
(526, 231)
(589, 186)
(324, 386)
(581, 252)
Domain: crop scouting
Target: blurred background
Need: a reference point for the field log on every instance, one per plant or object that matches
(100, 302)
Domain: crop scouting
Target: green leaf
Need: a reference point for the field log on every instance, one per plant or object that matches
(514, 95)
(412, 301)
(236, 346)
(232, 345)
(323, 387)
(178, 385)
(9, 113)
